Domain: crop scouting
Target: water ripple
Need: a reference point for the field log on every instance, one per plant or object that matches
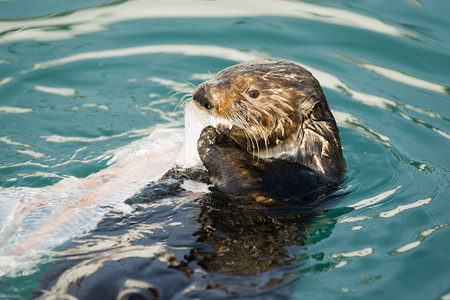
(373, 200)
(421, 237)
(15, 110)
(385, 214)
(94, 19)
(407, 79)
(183, 49)
(397, 76)
(65, 92)
(64, 139)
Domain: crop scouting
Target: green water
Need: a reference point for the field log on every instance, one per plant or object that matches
(384, 66)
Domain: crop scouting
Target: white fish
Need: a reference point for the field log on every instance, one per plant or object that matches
(34, 220)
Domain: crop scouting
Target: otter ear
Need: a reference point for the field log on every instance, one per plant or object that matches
(309, 103)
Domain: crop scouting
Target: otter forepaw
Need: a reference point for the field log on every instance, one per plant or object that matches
(208, 136)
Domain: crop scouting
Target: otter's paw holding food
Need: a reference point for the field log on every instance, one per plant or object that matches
(208, 136)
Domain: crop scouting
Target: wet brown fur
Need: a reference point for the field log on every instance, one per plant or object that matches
(289, 120)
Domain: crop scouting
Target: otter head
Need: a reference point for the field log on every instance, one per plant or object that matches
(274, 109)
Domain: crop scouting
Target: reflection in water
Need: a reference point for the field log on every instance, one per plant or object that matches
(98, 18)
(421, 237)
(406, 79)
(395, 75)
(6, 80)
(195, 50)
(65, 92)
(185, 244)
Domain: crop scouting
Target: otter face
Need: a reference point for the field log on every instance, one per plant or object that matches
(268, 106)
(257, 103)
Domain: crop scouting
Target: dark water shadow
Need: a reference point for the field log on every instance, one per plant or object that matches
(184, 245)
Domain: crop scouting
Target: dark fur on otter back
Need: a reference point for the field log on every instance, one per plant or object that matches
(275, 138)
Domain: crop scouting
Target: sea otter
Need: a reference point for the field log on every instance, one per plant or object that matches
(274, 136)
(273, 140)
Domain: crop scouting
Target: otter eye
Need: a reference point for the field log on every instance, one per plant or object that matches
(253, 94)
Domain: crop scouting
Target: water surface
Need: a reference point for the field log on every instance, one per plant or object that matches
(80, 79)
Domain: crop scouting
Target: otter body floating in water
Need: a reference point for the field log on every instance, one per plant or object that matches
(274, 137)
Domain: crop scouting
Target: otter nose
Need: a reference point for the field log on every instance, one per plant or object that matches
(201, 98)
